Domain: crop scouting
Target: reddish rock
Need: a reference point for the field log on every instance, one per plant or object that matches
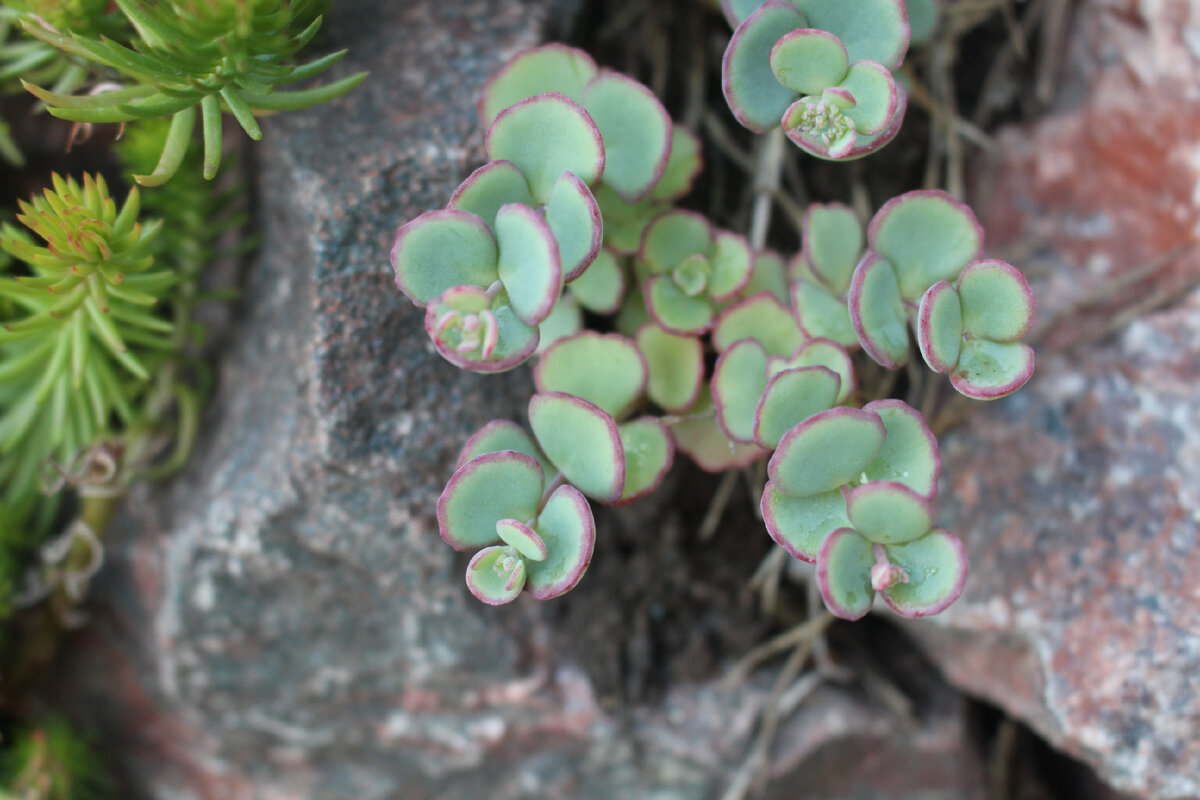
(1078, 498)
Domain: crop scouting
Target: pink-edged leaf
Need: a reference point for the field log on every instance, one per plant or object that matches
(877, 311)
(833, 244)
(536, 70)
(673, 236)
(495, 184)
(475, 331)
(936, 567)
(831, 355)
(574, 217)
(762, 318)
(736, 11)
(636, 130)
(826, 451)
(820, 314)
(871, 29)
(876, 96)
(888, 513)
(676, 366)
(683, 166)
(732, 263)
(567, 527)
(698, 436)
(769, 275)
(523, 134)
(738, 381)
(844, 574)
(496, 575)
(607, 370)
(674, 310)
(910, 451)
(649, 453)
(582, 441)
(800, 524)
(497, 436)
(601, 287)
(997, 302)
(529, 266)
(809, 61)
(522, 538)
(987, 370)
(755, 97)
(928, 236)
(940, 327)
(485, 490)
(566, 319)
(791, 397)
(440, 250)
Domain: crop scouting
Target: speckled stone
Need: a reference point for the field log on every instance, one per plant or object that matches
(1078, 498)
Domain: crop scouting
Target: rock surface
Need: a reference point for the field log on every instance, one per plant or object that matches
(1078, 498)
(285, 622)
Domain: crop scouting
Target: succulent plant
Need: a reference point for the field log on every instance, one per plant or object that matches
(820, 68)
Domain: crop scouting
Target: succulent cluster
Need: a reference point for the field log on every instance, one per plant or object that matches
(725, 354)
(820, 68)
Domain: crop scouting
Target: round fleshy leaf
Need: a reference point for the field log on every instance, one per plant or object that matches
(676, 365)
(737, 10)
(672, 237)
(649, 453)
(607, 370)
(876, 97)
(550, 68)
(601, 287)
(791, 397)
(636, 130)
(826, 451)
(522, 538)
(496, 575)
(936, 567)
(574, 217)
(683, 165)
(928, 236)
(820, 314)
(738, 381)
(987, 370)
(888, 513)
(698, 436)
(440, 250)
(871, 29)
(674, 310)
(495, 184)
(940, 327)
(497, 436)
(545, 136)
(840, 97)
(762, 318)
(809, 61)
(844, 574)
(832, 356)
(769, 275)
(877, 312)
(485, 490)
(692, 274)
(475, 331)
(580, 440)
(923, 18)
(732, 262)
(754, 95)
(833, 244)
(529, 264)
(565, 320)
(800, 524)
(997, 302)
(910, 451)
(567, 527)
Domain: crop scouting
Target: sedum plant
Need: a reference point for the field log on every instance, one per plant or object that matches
(727, 355)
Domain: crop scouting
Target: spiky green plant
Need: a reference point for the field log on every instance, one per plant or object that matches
(221, 55)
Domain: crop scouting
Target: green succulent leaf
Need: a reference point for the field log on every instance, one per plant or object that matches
(636, 130)
(574, 217)
(601, 287)
(522, 538)
(823, 353)
(826, 451)
(565, 320)
(698, 436)
(888, 513)
(820, 314)
(844, 574)
(495, 184)
(567, 527)
(910, 451)
(474, 330)
(936, 568)
(537, 70)
(607, 370)
(674, 309)
(756, 98)
(769, 275)
(649, 452)
(877, 312)
(582, 441)
(676, 366)
(928, 236)
(876, 30)
(761, 318)
(801, 524)
(545, 136)
(625, 223)
(987, 370)
(497, 436)
(485, 490)
(691, 276)
(997, 302)
(440, 250)
(737, 10)
(732, 263)
(833, 244)
(683, 165)
(738, 381)
(809, 61)
(940, 327)
(673, 236)
(875, 95)
(529, 265)
(923, 18)
(791, 397)
(496, 575)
